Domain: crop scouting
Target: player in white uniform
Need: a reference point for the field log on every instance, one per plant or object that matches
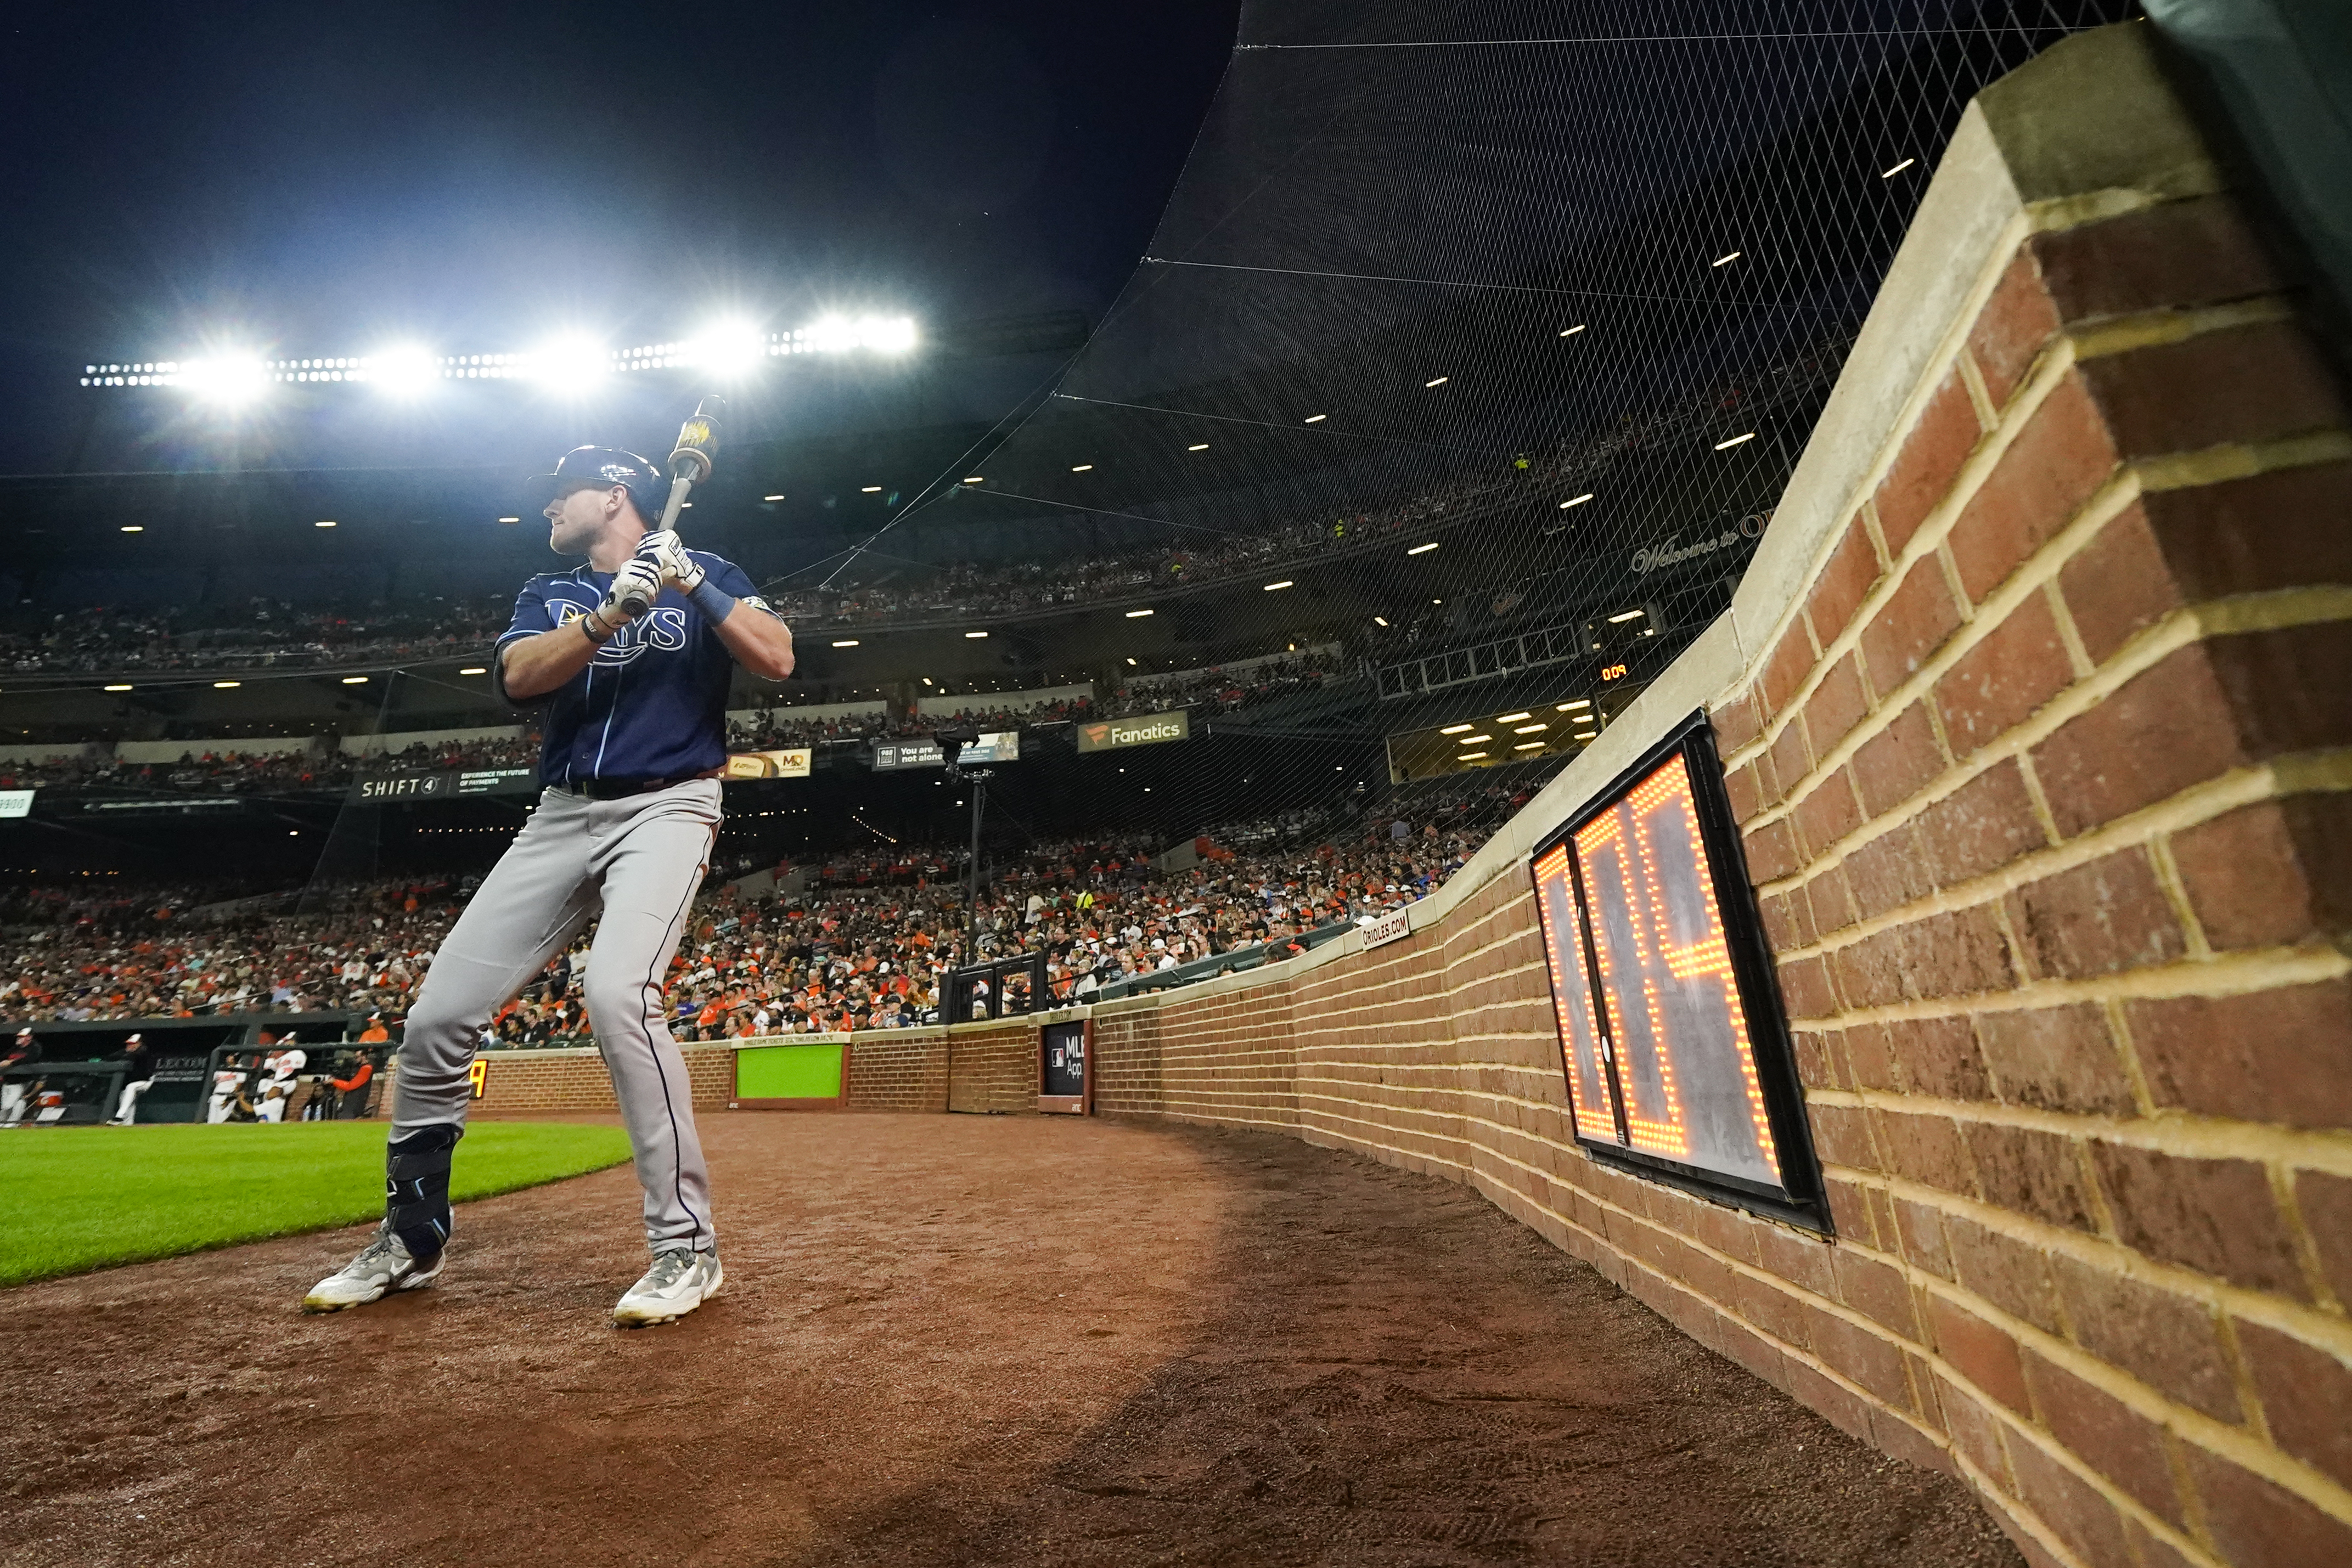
(227, 1079)
(283, 1065)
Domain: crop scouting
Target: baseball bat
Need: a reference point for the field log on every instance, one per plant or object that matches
(690, 463)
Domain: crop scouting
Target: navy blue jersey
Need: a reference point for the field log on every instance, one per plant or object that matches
(653, 702)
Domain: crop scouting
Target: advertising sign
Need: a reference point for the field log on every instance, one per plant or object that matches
(1394, 927)
(994, 746)
(446, 786)
(16, 802)
(793, 762)
(1149, 729)
(1672, 1038)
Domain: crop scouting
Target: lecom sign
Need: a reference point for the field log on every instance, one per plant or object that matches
(1671, 1031)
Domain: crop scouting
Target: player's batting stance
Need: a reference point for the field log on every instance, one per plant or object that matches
(633, 653)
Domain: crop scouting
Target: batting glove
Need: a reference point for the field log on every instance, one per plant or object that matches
(635, 588)
(669, 554)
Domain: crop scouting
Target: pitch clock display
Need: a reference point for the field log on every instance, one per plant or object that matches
(1671, 1033)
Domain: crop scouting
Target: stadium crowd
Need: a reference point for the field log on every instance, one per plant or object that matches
(226, 771)
(864, 942)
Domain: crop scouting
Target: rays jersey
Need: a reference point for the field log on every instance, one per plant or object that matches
(653, 702)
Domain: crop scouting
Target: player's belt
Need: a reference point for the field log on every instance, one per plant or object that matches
(622, 789)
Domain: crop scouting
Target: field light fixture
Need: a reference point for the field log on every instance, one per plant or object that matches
(475, 670)
(118, 688)
(134, 527)
(1422, 550)
(728, 348)
(1576, 500)
(845, 643)
(1137, 614)
(355, 680)
(1734, 441)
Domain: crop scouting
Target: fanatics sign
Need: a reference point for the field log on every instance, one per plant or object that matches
(1149, 730)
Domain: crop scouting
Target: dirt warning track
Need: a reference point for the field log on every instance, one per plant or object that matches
(946, 1340)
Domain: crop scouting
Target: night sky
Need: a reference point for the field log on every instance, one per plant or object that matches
(321, 180)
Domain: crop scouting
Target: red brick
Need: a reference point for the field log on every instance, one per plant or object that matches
(2325, 1203)
(2270, 873)
(2258, 1524)
(1828, 813)
(1851, 1214)
(1876, 1290)
(1830, 900)
(1766, 1306)
(2077, 1513)
(1736, 723)
(1842, 1136)
(1790, 759)
(1893, 1435)
(2031, 1172)
(1938, 1058)
(2057, 462)
(1837, 705)
(2118, 585)
(1925, 1149)
(1838, 1404)
(1846, 578)
(1816, 1067)
(1930, 461)
(2055, 1059)
(1981, 1352)
(1758, 1355)
(1746, 795)
(1869, 1061)
(2152, 1550)
(1799, 1260)
(1790, 663)
(2107, 1434)
(2179, 254)
(2215, 1216)
(2273, 1056)
(1786, 922)
(2286, 687)
(2245, 384)
(1980, 827)
(1912, 624)
(1961, 953)
(1771, 852)
(2167, 728)
(2009, 334)
(1869, 972)
(1976, 1430)
(1805, 988)
(1871, 1360)
(2166, 1340)
(2012, 1275)
(1888, 872)
(1998, 684)
(1898, 761)
(2306, 1392)
(1922, 1228)
(2280, 530)
(2096, 919)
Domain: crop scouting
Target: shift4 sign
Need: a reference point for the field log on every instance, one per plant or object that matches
(444, 786)
(1147, 730)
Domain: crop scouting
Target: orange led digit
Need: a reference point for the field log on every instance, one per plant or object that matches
(1571, 994)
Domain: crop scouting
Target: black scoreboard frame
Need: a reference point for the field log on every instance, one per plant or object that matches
(1801, 1199)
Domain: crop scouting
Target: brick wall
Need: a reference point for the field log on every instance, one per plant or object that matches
(898, 1070)
(2036, 710)
(992, 1067)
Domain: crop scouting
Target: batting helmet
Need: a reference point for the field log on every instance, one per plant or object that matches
(602, 467)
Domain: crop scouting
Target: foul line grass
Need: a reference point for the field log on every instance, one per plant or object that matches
(73, 1198)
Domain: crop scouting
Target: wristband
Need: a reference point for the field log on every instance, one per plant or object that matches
(713, 601)
(594, 640)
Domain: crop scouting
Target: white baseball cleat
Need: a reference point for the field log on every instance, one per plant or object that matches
(678, 1281)
(382, 1267)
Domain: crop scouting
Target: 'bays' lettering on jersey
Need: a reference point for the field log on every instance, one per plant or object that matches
(652, 704)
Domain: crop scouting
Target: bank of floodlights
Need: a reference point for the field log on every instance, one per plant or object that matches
(572, 362)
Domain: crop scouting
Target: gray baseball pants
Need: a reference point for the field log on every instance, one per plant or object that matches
(638, 861)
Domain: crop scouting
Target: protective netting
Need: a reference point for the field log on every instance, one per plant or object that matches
(1558, 290)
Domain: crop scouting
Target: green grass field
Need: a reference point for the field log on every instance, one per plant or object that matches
(82, 1198)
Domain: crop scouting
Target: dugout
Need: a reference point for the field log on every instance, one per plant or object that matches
(74, 1058)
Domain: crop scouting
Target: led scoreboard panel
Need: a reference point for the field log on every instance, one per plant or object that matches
(1671, 1033)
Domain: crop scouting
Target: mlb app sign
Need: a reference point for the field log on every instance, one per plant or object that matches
(1149, 730)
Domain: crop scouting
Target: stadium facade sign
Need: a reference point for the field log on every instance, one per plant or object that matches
(1672, 552)
(1149, 729)
(791, 762)
(444, 786)
(1393, 926)
(994, 746)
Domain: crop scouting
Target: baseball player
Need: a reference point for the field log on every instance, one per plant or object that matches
(228, 1078)
(635, 741)
(12, 1095)
(137, 1077)
(283, 1064)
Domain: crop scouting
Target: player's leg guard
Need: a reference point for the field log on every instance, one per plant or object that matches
(417, 1190)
